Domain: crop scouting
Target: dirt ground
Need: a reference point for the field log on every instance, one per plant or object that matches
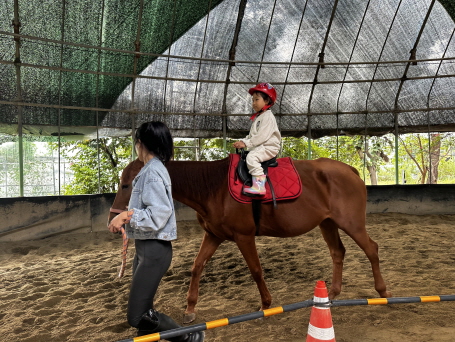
(65, 288)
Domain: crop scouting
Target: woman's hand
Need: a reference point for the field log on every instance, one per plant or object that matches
(239, 144)
(118, 221)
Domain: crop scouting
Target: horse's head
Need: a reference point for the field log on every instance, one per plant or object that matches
(124, 190)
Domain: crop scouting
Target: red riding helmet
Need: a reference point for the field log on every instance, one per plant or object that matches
(265, 88)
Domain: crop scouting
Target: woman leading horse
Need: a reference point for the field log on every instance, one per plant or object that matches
(333, 198)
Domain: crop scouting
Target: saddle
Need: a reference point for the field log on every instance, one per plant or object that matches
(282, 172)
(282, 178)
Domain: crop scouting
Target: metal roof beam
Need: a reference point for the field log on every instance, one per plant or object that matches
(380, 54)
(265, 43)
(202, 53)
(292, 55)
(412, 58)
(352, 52)
(439, 66)
(321, 55)
(232, 50)
(171, 39)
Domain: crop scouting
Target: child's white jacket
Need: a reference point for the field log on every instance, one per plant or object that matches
(264, 131)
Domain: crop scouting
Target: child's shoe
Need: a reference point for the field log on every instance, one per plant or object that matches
(258, 187)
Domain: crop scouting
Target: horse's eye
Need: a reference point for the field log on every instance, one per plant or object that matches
(125, 186)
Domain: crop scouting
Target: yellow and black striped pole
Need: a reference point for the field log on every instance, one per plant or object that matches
(220, 322)
(393, 300)
(286, 308)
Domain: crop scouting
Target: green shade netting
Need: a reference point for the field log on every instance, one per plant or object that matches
(112, 24)
(189, 94)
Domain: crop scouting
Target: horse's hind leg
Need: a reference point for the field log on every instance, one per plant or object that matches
(209, 245)
(363, 240)
(337, 251)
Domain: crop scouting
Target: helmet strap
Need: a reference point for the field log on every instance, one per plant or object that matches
(252, 117)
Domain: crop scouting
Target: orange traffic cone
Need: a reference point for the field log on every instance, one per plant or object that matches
(321, 326)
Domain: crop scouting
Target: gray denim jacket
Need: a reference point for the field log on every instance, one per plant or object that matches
(151, 199)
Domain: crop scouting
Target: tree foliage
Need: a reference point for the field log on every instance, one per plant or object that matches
(422, 158)
(202, 149)
(34, 168)
(96, 172)
(358, 151)
(429, 155)
(375, 156)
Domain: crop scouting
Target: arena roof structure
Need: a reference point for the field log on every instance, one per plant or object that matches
(101, 67)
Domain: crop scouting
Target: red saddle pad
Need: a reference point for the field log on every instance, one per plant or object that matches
(285, 181)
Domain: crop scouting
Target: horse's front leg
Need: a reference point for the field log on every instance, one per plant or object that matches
(247, 246)
(209, 245)
(337, 251)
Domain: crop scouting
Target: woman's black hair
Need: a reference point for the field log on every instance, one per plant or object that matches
(157, 138)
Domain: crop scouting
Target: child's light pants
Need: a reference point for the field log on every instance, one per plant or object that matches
(258, 155)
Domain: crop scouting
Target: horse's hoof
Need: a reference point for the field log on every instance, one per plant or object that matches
(333, 294)
(386, 294)
(189, 317)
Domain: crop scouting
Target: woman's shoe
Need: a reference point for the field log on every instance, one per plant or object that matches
(153, 321)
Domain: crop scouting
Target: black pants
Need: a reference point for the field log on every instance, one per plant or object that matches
(152, 260)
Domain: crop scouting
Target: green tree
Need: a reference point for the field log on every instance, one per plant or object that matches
(427, 153)
(185, 149)
(296, 148)
(37, 167)
(202, 149)
(357, 151)
(91, 177)
(372, 153)
(213, 149)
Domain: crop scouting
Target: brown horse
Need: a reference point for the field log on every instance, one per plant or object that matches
(333, 197)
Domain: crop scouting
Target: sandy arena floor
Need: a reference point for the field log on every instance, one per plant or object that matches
(65, 288)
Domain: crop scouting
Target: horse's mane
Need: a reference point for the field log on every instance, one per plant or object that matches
(130, 171)
(198, 179)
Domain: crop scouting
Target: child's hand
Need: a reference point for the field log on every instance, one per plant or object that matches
(239, 144)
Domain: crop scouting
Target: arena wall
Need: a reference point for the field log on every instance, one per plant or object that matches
(435, 199)
(31, 218)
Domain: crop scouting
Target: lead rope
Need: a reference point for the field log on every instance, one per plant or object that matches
(124, 244)
(124, 252)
